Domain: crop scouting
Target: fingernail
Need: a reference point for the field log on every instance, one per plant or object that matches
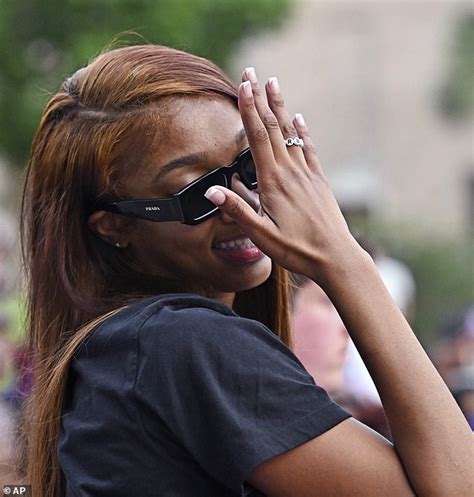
(216, 196)
(300, 119)
(274, 85)
(251, 74)
(247, 88)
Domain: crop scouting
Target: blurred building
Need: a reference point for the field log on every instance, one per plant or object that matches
(367, 76)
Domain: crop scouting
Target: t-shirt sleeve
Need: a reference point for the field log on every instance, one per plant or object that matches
(229, 389)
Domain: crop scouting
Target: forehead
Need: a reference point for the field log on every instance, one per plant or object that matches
(191, 125)
(312, 294)
(204, 128)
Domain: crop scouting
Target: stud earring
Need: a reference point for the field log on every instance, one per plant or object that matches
(118, 245)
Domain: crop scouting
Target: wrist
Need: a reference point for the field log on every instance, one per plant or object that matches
(345, 267)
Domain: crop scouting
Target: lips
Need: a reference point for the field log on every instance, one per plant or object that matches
(238, 249)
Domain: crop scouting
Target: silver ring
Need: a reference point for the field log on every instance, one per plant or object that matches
(294, 141)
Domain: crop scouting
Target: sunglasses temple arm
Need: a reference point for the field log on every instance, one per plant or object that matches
(166, 209)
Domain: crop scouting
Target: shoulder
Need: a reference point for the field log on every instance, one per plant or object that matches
(188, 323)
(182, 320)
(165, 309)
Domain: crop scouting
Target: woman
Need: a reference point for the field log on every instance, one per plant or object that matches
(158, 301)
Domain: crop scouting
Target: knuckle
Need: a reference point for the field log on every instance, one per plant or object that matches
(270, 121)
(261, 135)
(248, 104)
(236, 209)
(297, 176)
(309, 147)
(279, 183)
(289, 130)
(279, 102)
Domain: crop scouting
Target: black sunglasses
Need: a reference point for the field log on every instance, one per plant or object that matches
(189, 205)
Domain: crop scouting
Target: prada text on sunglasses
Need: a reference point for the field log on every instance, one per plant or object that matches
(189, 205)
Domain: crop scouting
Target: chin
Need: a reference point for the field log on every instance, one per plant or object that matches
(246, 280)
(259, 276)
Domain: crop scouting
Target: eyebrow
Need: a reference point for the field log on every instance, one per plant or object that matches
(191, 159)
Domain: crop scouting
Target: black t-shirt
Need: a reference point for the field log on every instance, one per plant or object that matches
(178, 396)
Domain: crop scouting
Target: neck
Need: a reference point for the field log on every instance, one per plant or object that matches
(226, 298)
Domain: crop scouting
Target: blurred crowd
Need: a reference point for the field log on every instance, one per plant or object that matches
(453, 356)
(321, 343)
(15, 370)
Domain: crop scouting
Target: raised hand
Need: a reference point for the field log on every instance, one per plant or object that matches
(300, 225)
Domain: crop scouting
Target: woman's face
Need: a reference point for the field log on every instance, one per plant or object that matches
(202, 134)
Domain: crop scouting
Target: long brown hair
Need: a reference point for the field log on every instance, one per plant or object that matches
(91, 130)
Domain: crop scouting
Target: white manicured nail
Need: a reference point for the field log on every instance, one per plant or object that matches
(216, 196)
(300, 119)
(251, 74)
(247, 88)
(274, 85)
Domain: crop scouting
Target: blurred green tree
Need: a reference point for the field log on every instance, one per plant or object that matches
(457, 95)
(443, 268)
(41, 42)
(444, 273)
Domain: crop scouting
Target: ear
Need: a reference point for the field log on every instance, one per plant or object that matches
(112, 228)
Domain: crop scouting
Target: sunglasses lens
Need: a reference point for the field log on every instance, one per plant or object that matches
(247, 170)
(194, 204)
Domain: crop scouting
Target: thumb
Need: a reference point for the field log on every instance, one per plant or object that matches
(237, 209)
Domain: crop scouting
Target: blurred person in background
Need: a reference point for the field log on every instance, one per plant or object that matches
(400, 283)
(359, 193)
(453, 355)
(163, 206)
(321, 343)
(320, 338)
(8, 347)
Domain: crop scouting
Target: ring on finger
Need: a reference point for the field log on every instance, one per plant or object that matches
(294, 141)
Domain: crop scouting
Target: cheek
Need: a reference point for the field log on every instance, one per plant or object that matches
(175, 236)
(318, 334)
(310, 333)
(171, 246)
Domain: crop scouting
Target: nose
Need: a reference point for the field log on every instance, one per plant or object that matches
(250, 196)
